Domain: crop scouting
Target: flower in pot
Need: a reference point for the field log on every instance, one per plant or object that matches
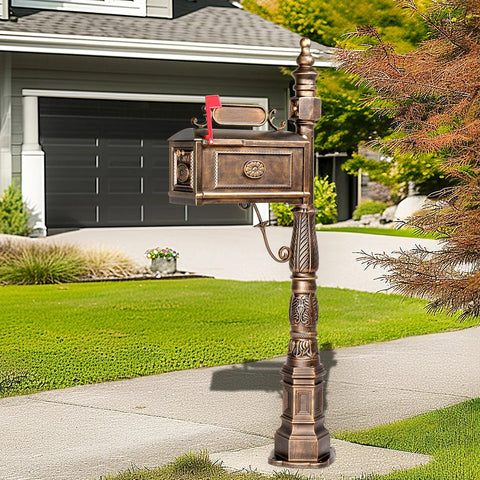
(164, 260)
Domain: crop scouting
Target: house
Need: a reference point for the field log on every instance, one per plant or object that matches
(90, 91)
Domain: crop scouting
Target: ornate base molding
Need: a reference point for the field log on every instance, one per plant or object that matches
(272, 460)
(302, 440)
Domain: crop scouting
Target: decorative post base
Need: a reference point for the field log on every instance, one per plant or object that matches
(302, 441)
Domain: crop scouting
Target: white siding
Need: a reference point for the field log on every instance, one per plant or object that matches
(114, 7)
(149, 8)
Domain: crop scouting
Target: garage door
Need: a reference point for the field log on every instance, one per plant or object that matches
(107, 165)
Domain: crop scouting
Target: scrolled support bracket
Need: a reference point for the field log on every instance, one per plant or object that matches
(284, 253)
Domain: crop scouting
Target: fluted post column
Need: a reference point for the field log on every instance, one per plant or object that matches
(302, 441)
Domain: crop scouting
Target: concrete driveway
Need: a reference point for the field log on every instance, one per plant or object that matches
(238, 253)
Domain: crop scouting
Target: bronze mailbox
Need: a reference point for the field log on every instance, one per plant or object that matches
(248, 166)
(238, 166)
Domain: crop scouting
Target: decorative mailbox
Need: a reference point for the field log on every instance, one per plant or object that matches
(238, 166)
(246, 166)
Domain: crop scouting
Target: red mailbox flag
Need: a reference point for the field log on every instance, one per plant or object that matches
(211, 101)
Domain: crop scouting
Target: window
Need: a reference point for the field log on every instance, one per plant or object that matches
(116, 7)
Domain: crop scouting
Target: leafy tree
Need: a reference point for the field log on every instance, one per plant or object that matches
(325, 22)
(396, 172)
(346, 120)
(433, 95)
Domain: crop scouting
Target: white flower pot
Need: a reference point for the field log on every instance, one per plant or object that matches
(164, 265)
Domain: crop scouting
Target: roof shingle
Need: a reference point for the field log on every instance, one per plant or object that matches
(208, 24)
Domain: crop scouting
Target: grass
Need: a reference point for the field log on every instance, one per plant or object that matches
(393, 232)
(450, 435)
(54, 336)
(196, 466)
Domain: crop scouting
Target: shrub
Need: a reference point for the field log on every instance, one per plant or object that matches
(369, 208)
(13, 214)
(283, 213)
(324, 202)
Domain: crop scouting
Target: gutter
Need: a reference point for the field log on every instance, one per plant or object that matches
(154, 49)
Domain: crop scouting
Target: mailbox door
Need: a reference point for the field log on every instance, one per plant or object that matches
(260, 173)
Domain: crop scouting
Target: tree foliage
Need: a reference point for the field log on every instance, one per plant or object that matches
(325, 22)
(13, 213)
(396, 172)
(324, 203)
(433, 96)
(346, 120)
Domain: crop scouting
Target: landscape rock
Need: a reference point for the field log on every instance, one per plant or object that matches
(389, 215)
(409, 206)
(372, 220)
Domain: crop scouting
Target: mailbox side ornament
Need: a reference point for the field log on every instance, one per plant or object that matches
(302, 441)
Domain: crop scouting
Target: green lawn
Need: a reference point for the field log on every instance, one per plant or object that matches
(394, 232)
(450, 435)
(54, 336)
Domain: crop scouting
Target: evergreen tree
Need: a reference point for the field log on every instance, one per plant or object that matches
(432, 95)
(13, 215)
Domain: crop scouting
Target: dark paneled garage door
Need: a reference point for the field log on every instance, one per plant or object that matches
(107, 165)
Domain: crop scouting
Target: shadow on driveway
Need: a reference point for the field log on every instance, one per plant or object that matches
(263, 375)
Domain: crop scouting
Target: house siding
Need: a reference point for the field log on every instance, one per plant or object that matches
(138, 76)
(5, 121)
(159, 8)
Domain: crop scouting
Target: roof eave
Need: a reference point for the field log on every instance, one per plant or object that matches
(153, 49)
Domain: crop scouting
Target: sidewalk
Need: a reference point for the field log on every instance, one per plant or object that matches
(84, 432)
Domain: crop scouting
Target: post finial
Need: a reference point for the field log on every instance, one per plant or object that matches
(305, 59)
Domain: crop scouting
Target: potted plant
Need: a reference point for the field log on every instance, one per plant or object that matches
(164, 260)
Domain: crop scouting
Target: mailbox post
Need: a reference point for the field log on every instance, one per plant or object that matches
(247, 166)
(302, 440)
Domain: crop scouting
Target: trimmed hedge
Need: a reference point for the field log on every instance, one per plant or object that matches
(369, 208)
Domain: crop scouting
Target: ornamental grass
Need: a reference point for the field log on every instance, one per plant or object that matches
(25, 261)
(102, 262)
